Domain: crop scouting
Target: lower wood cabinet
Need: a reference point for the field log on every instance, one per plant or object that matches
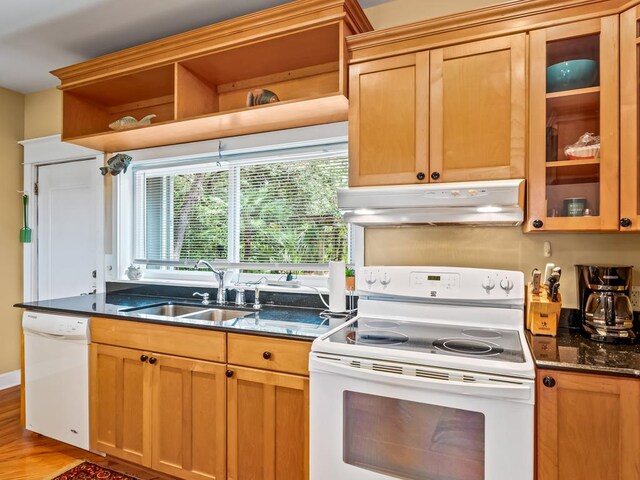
(197, 419)
(167, 413)
(588, 426)
(268, 425)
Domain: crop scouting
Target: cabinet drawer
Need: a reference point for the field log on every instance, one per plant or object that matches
(269, 353)
(169, 339)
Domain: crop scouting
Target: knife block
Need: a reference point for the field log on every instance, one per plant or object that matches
(543, 315)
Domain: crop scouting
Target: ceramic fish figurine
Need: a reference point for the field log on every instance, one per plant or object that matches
(116, 164)
(260, 96)
(127, 122)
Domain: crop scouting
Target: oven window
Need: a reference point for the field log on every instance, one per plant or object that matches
(412, 440)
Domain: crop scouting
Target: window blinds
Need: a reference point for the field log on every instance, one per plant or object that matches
(276, 207)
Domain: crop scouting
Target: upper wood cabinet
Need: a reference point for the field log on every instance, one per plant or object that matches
(196, 83)
(629, 120)
(587, 426)
(450, 114)
(477, 110)
(388, 121)
(568, 193)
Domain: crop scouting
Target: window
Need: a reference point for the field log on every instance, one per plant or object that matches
(260, 210)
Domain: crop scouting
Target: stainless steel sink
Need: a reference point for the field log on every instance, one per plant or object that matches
(217, 315)
(167, 310)
(183, 312)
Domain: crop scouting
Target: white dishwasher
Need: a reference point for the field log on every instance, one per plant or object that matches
(56, 364)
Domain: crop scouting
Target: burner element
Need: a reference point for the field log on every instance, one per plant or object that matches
(481, 333)
(374, 337)
(373, 323)
(465, 346)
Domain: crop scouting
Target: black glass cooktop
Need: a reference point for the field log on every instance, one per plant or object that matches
(481, 343)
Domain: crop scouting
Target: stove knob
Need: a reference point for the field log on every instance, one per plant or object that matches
(488, 284)
(384, 281)
(370, 279)
(506, 284)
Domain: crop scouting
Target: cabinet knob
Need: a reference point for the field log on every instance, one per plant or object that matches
(549, 382)
(266, 355)
(537, 223)
(143, 358)
(153, 360)
(435, 175)
(420, 176)
(229, 373)
(625, 222)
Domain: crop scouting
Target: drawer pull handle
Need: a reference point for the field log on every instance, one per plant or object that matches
(435, 175)
(420, 176)
(229, 373)
(153, 360)
(549, 382)
(266, 355)
(143, 358)
(625, 222)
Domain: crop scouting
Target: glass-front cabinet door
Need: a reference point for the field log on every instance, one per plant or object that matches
(573, 164)
(629, 121)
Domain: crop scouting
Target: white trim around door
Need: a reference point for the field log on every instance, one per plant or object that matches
(46, 151)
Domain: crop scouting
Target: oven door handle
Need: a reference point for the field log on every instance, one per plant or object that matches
(505, 391)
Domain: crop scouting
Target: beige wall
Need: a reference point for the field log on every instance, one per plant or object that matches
(401, 12)
(503, 248)
(43, 113)
(11, 131)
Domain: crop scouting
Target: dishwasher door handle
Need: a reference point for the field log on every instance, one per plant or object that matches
(46, 335)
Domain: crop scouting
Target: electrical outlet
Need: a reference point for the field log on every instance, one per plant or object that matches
(635, 298)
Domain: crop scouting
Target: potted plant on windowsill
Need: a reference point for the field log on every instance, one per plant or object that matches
(350, 278)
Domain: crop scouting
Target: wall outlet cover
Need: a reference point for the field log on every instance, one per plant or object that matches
(635, 298)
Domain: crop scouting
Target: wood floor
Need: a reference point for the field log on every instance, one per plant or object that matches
(28, 456)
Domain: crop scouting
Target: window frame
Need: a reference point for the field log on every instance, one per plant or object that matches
(257, 145)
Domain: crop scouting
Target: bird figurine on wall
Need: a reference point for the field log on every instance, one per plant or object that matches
(116, 164)
(127, 122)
(260, 96)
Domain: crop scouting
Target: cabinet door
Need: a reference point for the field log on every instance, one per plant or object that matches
(189, 417)
(119, 391)
(388, 134)
(587, 426)
(574, 189)
(267, 426)
(629, 121)
(477, 110)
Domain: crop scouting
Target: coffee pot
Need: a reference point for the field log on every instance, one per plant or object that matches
(607, 315)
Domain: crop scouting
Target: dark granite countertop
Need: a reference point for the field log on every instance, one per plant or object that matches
(271, 320)
(569, 350)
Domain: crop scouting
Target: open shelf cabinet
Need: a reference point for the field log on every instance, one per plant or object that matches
(197, 83)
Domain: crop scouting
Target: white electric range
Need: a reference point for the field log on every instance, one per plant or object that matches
(432, 380)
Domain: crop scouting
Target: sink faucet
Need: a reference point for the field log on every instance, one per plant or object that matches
(221, 298)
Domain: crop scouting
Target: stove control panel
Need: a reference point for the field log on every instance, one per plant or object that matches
(446, 283)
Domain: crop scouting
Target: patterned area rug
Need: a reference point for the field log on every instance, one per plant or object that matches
(91, 471)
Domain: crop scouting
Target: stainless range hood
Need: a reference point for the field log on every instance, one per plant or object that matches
(496, 202)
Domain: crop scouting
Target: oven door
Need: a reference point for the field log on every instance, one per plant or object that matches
(372, 420)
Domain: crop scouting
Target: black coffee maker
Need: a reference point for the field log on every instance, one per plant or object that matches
(604, 292)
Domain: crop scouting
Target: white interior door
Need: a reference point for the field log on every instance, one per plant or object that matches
(69, 224)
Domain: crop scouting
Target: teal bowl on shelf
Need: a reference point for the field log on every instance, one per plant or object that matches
(571, 75)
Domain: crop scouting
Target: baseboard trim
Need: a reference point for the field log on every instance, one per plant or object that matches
(9, 379)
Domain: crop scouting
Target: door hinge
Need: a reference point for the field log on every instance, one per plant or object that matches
(35, 188)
